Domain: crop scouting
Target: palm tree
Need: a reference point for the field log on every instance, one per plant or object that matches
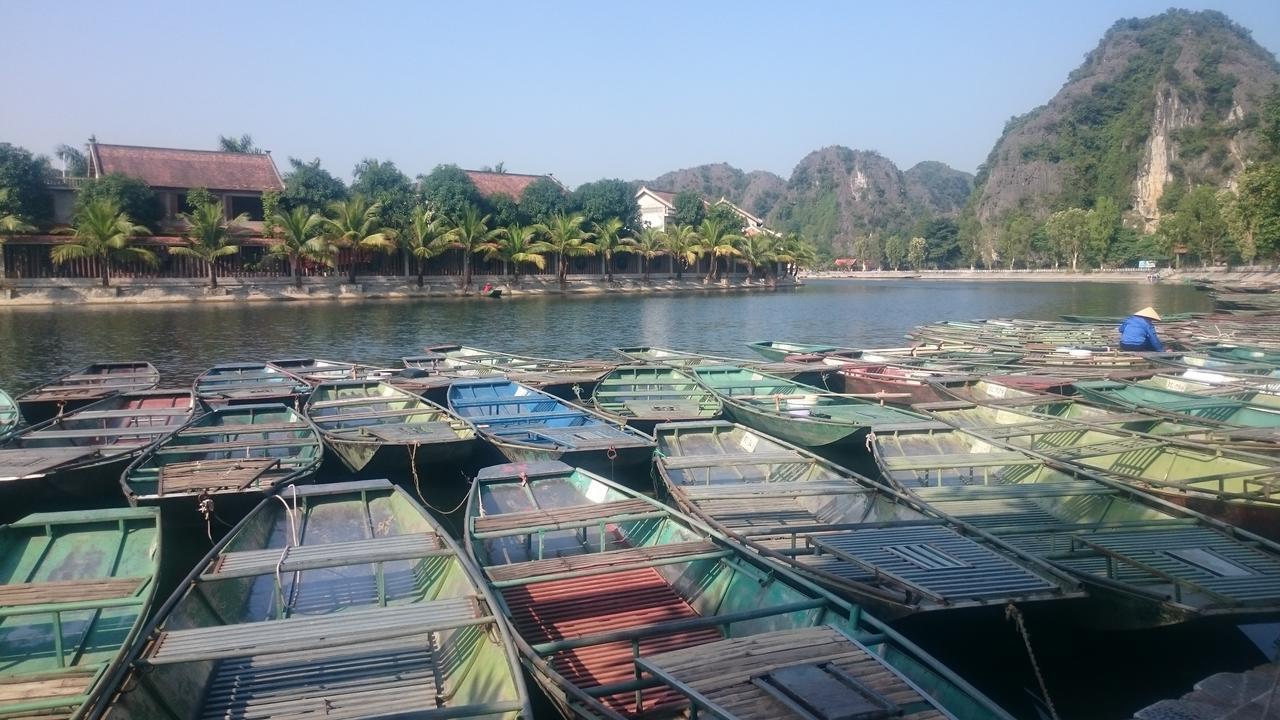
(102, 232)
(74, 163)
(10, 225)
(758, 251)
(650, 244)
(471, 235)
(799, 253)
(683, 245)
(607, 237)
(208, 233)
(518, 246)
(353, 224)
(565, 238)
(716, 242)
(300, 236)
(428, 235)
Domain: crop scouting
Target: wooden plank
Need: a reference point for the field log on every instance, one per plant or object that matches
(213, 474)
(65, 591)
(560, 517)
(608, 561)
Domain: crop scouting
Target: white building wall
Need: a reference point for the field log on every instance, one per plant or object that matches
(653, 213)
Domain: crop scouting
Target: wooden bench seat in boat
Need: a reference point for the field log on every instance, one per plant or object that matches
(363, 400)
(603, 562)
(767, 676)
(1069, 488)
(598, 436)
(323, 420)
(136, 412)
(409, 433)
(986, 459)
(237, 473)
(699, 492)
(50, 595)
(577, 516)
(640, 392)
(237, 446)
(522, 400)
(243, 429)
(66, 690)
(311, 632)
(684, 462)
(531, 417)
(17, 463)
(247, 563)
(116, 432)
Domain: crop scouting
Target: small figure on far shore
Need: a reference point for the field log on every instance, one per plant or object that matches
(1138, 332)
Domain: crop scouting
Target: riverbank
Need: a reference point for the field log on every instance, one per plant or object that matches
(1236, 275)
(126, 291)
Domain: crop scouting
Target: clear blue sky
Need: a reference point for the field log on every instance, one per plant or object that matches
(580, 89)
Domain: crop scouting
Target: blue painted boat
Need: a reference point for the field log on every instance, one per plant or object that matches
(529, 425)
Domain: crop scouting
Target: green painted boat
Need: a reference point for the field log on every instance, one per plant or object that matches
(1201, 361)
(644, 395)
(76, 589)
(848, 533)
(249, 383)
(1241, 489)
(1200, 384)
(373, 426)
(1247, 354)
(619, 604)
(331, 601)
(1178, 404)
(989, 390)
(86, 386)
(798, 413)
(1117, 319)
(240, 450)
(778, 350)
(10, 418)
(78, 456)
(1145, 562)
(316, 370)
(814, 370)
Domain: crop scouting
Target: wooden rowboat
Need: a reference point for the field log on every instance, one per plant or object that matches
(776, 350)
(249, 383)
(81, 453)
(343, 601)
(644, 395)
(85, 386)
(247, 450)
(315, 370)
(10, 418)
(624, 608)
(76, 589)
(1178, 404)
(371, 426)
(1145, 561)
(528, 425)
(558, 377)
(903, 387)
(798, 413)
(812, 369)
(858, 538)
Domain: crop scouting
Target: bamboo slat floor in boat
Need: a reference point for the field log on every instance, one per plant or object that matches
(21, 463)
(237, 473)
(561, 518)
(69, 685)
(608, 561)
(310, 557)
(68, 591)
(579, 607)
(790, 674)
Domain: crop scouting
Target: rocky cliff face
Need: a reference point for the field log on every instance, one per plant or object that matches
(1162, 104)
(834, 194)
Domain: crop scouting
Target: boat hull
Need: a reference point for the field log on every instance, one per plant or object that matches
(388, 459)
(799, 431)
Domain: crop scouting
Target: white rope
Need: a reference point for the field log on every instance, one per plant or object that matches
(293, 532)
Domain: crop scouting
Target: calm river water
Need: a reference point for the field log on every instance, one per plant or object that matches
(1090, 673)
(37, 344)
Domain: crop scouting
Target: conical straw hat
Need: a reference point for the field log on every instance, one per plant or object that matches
(1148, 312)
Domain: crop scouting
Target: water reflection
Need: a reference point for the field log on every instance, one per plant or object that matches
(182, 340)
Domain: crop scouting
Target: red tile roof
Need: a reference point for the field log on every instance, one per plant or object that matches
(512, 184)
(173, 168)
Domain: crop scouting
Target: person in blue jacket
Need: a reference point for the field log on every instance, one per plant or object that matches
(1138, 332)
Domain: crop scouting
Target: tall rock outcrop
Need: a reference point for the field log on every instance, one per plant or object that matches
(1162, 104)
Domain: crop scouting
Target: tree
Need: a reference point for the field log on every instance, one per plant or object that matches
(542, 199)
(896, 250)
(683, 245)
(309, 185)
(717, 240)
(690, 210)
(300, 236)
(1198, 224)
(472, 234)
(602, 200)
(868, 251)
(1255, 210)
(916, 251)
(1104, 223)
(1069, 232)
(1014, 241)
(943, 238)
(518, 246)
(132, 196)
(505, 210)
(724, 214)
(383, 183)
(22, 177)
(353, 224)
(103, 233)
(563, 235)
(209, 236)
(758, 252)
(10, 225)
(74, 163)
(793, 252)
(649, 244)
(608, 240)
(243, 144)
(429, 234)
(449, 190)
